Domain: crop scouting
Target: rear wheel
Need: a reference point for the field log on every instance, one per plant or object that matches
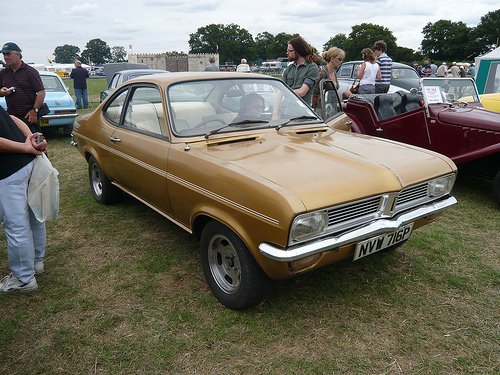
(232, 273)
(102, 189)
(496, 188)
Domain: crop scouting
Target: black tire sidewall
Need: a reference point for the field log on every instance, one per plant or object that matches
(255, 285)
(109, 192)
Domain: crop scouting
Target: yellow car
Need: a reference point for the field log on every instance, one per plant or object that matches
(270, 188)
(491, 101)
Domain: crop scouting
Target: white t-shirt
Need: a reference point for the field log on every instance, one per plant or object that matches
(370, 73)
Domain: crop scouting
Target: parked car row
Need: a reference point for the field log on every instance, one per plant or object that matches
(272, 189)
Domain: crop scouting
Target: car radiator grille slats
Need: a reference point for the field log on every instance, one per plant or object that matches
(412, 193)
(353, 211)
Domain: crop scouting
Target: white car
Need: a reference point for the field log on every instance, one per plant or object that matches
(404, 77)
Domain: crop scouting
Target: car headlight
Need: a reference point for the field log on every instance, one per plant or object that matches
(440, 186)
(308, 226)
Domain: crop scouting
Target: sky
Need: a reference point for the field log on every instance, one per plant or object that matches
(157, 26)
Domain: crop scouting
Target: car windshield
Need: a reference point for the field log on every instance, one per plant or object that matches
(449, 90)
(52, 83)
(203, 108)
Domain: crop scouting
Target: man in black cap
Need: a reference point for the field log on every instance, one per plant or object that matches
(26, 98)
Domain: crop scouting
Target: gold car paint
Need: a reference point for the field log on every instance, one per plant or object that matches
(252, 186)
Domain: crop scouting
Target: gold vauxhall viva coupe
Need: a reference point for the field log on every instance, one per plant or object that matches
(271, 188)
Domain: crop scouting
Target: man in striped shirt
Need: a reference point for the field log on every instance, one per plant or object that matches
(26, 97)
(385, 63)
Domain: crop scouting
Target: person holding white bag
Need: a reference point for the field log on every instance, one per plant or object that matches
(26, 236)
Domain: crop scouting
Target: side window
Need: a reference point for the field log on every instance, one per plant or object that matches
(145, 111)
(115, 81)
(113, 111)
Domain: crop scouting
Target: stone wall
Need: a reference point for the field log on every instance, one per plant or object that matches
(191, 63)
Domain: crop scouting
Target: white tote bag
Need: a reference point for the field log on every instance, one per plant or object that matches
(43, 190)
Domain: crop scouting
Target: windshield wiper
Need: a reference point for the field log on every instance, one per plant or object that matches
(237, 123)
(298, 118)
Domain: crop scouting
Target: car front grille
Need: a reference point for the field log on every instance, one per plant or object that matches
(353, 211)
(346, 216)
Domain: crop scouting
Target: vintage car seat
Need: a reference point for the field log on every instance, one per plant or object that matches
(384, 106)
(410, 102)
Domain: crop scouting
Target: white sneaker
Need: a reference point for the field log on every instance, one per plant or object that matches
(11, 284)
(39, 266)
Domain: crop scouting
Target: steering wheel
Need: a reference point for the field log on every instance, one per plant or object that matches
(205, 122)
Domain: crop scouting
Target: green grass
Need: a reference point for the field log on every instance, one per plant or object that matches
(124, 293)
(94, 88)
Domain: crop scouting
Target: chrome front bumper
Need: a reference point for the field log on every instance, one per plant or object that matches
(373, 229)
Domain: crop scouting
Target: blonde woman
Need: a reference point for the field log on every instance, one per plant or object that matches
(368, 72)
(333, 58)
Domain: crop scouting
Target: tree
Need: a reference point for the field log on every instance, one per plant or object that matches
(280, 44)
(118, 54)
(231, 42)
(487, 33)
(66, 54)
(96, 51)
(446, 40)
(338, 41)
(365, 35)
(263, 45)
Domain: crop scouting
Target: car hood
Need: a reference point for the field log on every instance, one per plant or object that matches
(320, 164)
(58, 99)
(472, 116)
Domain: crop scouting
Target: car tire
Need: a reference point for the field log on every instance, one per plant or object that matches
(232, 273)
(496, 188)
(104, 192)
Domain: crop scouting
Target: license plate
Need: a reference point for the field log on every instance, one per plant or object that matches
(44, 122)
(382, 242)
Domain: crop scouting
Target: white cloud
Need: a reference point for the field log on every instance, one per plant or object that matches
(153, 26)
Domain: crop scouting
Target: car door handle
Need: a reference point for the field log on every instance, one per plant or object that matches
(379, 129)
(114, 139)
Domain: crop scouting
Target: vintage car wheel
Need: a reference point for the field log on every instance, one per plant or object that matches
(496, 188)
(232, 273)
(102, 189)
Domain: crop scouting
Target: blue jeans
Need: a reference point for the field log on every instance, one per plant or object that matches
(26, 236)
(79, 93)
(366, 89)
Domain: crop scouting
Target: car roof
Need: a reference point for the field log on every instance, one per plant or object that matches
(394, 64)
(46, 73)
(132, 71)
(168, 78)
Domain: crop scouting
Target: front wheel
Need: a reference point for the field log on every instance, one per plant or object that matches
(232, 273)
(104, 192)
(496, 188)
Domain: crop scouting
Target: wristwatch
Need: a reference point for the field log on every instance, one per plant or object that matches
(35, 109)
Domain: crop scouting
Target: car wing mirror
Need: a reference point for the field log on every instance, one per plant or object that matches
(329, 105)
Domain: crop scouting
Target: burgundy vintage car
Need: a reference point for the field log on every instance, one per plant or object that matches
(445, 116)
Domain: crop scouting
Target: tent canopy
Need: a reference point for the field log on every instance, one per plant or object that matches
(488, 72)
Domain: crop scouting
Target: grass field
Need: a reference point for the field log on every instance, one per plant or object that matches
(124, 293)
(94, 88)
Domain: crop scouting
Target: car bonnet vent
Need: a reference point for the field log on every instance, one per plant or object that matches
(311, 131)
(232, 141)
